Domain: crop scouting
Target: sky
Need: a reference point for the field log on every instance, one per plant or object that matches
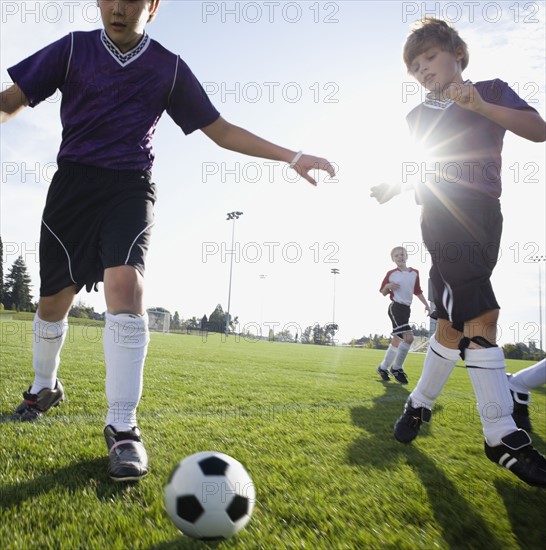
(323, 77)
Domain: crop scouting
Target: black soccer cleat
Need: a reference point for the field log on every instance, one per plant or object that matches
(384, 373)
(36, 404)
(126, 453)
(407, 427)
(518, 455)
(399, 375)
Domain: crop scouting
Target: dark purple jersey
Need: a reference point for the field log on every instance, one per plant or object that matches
(462, 148)
(112, 101)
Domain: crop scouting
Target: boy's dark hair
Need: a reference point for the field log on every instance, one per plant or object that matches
(431, 32)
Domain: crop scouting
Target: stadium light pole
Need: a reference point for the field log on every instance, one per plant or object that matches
(335, 272)
(231, 216)
(539, 260)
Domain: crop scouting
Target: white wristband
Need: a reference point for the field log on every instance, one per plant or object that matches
(295, 159)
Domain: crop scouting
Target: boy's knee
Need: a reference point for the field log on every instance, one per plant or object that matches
(55, 308)
(481, 353)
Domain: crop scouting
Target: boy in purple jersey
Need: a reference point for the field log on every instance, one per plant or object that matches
(462, 125)
(96, 225)
(401, 284)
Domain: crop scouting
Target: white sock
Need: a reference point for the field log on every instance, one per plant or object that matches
(488, 375)
(437, 368)
(401, 355)
(527, 379)
(48, 341)
(125, 345)
(389, 357)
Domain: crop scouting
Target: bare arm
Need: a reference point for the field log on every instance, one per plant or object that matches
(234, 138)
(526, 124)
(12, 102)
(388, 288)
(424, 301)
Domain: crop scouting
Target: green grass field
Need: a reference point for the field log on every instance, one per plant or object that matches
(312, 425)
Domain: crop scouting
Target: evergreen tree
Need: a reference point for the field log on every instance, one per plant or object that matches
(175, 322)
(17, 287)
(217, 320)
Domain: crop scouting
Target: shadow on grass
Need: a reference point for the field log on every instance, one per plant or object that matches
(185, 543)
(456, 517)
(525, 506)
(84, 474)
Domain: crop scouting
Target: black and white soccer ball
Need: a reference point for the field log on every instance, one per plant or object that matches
(209, 495)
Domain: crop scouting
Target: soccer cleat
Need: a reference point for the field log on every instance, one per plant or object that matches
(127, 455)
(518, 455)
(409, 423)
(384, 373)
(399, 375)
(36, 404)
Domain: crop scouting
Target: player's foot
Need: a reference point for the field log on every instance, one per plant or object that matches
(36, 404)
(384, 373)
(127, 455)
(399, 375)
(518, 455)
(409, 423)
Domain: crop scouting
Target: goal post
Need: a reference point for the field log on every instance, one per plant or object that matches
(158, 321)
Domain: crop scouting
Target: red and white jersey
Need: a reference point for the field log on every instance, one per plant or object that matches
(409, 285)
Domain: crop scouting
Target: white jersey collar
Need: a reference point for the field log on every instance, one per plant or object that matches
(124, 58)
(438, 103)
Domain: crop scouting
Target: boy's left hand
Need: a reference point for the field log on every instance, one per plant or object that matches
(464, 95)
(306, 163)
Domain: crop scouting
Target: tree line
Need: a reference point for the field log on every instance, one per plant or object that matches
(15, 295)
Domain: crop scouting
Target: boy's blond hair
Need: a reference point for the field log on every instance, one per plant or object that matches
(431, 32)
(396, 248)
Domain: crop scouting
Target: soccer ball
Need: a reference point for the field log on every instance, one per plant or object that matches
(209, 495)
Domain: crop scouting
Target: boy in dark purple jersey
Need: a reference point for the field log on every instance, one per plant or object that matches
(96, 225)
(461, 126)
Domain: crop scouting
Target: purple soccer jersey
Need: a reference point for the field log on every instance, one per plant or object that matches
(463, 149)
(112, 101)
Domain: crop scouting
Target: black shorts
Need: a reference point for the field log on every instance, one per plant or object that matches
(399, 315)
(94, 218)
(463, 241)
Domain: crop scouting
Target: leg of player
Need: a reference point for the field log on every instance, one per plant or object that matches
(504, 444)
(49, 327)
(397, 369)
(390, 354)
(442, 354)
(125, 341)
(521, 385)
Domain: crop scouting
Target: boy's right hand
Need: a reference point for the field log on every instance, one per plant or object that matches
(306, 163)
(384, 192)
